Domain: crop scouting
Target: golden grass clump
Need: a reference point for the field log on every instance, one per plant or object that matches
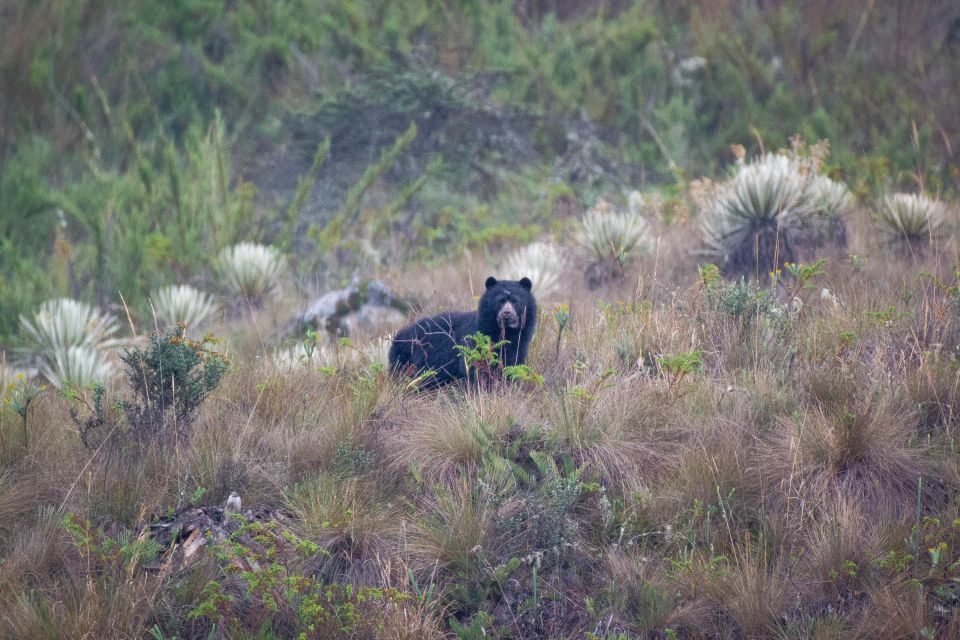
(454, 530)
(346, 516)
(864, 450)
(753, 591)
(437, 438)
(608, 431)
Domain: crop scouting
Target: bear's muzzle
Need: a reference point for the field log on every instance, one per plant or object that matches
(508, 316)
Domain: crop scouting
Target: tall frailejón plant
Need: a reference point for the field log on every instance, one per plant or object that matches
(910, 219)
(772, 208)
(251, 271)
(72, 340)
(541, 262)
(184, 304)
(611, 239)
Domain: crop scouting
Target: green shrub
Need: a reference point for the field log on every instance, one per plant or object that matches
(271, 590)
(170, 379)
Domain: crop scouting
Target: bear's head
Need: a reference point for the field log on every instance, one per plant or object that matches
(508, 303)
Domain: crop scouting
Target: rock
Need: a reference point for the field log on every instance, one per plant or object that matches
(368, 306)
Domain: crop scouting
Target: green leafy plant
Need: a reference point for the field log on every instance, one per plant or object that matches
(802, 274)
(19, 395)
(742, 300)
(275, 594)
(170, 379)
(559, 489)
(482, 359)
(679, 366)
(522, 373)
(123, 553)
(887, 317)
(561, 316)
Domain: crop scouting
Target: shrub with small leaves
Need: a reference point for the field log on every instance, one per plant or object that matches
(173, 375)
(170, 379)
(740, 299)
(274, 593)
(559, 490)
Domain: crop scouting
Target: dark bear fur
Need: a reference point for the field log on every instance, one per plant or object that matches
(507, 311)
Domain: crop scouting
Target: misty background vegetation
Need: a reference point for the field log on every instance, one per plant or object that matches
(139, 138)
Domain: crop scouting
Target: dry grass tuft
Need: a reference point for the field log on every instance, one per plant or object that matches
(607, 430)
(441, 436)
(896, 612)
(864, 451)
(347, 518)
(753, 592)
(841, 546)
(454, 530)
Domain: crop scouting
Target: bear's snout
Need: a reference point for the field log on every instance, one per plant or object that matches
(508, 316)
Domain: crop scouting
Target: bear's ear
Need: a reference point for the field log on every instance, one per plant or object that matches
(491, 282)
(526, 284)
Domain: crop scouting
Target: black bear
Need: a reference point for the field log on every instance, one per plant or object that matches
(507, 312)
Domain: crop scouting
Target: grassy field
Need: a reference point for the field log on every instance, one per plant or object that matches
(695, 457)
(739, 414)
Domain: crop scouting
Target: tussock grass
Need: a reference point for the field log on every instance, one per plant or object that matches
(608, 431)
(348, 519)
(752, 592)
(865, 451)
(437, 438)
(455, 530)
(842, 543)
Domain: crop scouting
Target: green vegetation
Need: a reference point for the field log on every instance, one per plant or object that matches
(738, 417)
(133, 138)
